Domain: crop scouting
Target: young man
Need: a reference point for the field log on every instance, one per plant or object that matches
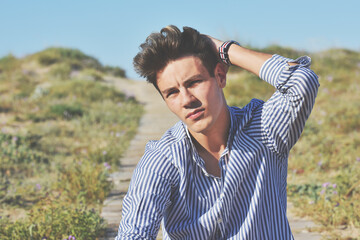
(220, 172)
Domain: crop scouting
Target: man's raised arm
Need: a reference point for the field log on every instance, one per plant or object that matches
(283, 116)
(247, 59)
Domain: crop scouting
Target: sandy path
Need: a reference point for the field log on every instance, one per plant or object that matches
(155, 121)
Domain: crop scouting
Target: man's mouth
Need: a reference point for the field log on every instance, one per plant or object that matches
(195, 114)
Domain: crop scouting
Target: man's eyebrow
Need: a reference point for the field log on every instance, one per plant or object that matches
(192, 78)
(166, 91)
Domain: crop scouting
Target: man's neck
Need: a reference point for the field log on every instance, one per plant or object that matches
(214, 140)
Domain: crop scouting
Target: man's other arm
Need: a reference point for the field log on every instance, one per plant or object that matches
(147, 198)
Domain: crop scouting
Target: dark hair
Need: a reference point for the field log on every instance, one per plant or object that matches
(170, 44)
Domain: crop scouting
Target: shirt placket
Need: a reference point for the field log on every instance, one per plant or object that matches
(220, 230)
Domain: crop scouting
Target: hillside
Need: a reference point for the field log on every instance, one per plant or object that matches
(63, 130)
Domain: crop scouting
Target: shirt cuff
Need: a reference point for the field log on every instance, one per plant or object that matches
(277, 71)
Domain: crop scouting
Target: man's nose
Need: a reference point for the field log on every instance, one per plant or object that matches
(189, 100)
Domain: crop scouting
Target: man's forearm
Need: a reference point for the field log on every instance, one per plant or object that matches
(247, 59)
(242, 57)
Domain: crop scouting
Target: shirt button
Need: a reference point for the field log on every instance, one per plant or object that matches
(219, 220)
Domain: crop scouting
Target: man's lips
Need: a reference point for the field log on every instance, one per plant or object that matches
(195, 114)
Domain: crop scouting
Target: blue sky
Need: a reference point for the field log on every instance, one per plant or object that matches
(112, 30)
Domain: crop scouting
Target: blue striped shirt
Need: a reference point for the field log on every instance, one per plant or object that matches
(170, 184)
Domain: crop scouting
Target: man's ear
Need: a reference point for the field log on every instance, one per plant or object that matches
(220, 74)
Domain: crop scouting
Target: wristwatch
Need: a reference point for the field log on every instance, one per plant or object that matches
(223, 51)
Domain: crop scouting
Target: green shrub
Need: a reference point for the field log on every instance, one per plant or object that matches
(107, 112)
(334, 203)
(109, 155)
(334, 61)
(24, 86)
(84, 182)
(53, 219)
(17, 193)
(115, 71)
(61, 71)
(66, 111)
(245, 86)
(311, 191)
(84, 91)
(16, 84)
(9, 64)
(17, 155)
(19, 160)
(90, 75)
(48, 58)
(55, 55)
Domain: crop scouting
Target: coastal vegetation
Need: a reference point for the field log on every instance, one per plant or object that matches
(63, 130)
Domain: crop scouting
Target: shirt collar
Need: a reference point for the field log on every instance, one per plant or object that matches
(232, 131)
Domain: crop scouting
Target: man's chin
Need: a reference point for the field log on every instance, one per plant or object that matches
(196, 128)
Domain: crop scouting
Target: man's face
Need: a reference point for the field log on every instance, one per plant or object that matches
(192, 94)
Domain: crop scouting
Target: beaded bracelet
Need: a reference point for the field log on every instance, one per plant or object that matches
(223, 51)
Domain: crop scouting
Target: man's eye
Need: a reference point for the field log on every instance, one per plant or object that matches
(194, 82)
(170, 93)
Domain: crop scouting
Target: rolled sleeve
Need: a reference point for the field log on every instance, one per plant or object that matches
(284, 114)
(276, 70)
